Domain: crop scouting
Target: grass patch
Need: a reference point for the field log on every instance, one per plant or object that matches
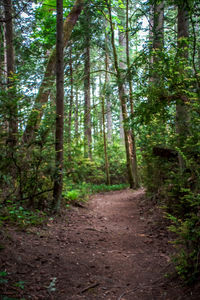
(81, 192)
(107, 188)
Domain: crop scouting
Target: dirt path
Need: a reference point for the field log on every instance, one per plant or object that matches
(110, 250)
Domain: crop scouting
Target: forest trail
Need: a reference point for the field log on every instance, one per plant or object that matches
(114, 249)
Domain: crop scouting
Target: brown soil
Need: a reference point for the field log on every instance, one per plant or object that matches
(117, 248)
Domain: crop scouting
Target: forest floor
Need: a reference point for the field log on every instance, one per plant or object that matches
(116, 248)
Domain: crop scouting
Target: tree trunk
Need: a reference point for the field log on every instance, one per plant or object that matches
(125, 62)
(94, 122)
(134, 156)
(122, 97)
(109, 119)
(105, 142)
(157, 39)
(2, 75)
(127, 135)
(105, 93)
(57, 191)
(122, 43)
(13, 125)
(108, 102)
(46, 85)
(4, 126)
(100, 119)
(76, 115)
(182, 113)
(69, 134)
(158, 24)
(87, 116)
(121, 127)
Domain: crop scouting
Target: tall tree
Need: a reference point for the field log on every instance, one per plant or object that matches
(46, 85)
(58, 182)
(182, 112)
(158, 24)
(157, 35)
(3, 69)
(105, 140)
(76, 114)
(134, 156)
(123, 99)
(125, 64)
(108, 102)
(122, 66)
(104, 93)
(69, 127)
(2, 39)
(10, 73)
(87, 113)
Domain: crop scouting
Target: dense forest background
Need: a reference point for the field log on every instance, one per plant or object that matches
(111, 102)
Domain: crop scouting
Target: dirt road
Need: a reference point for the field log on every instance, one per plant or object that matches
(114, 249)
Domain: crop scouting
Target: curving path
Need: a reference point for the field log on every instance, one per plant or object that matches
(114, 249)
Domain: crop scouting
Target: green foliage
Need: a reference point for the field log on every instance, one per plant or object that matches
(173, 180)
(25, 170)
(71, 197)
(3, 274)
(80, 192)
(83, 169)
(177, 190)
(44, 31)
(20, 284)
(188, 245)
(3, 280)
(80, 169)
(20, 216)
(162, 79)
(108, 188)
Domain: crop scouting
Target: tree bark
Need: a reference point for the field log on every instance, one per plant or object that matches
(122, 43)
(57, 191)
(105, 142)
(94, 119)
(87, 113)
(69, 134)
(76, 115)
(134, 156)
(1, 52)
(33, 122)
(125, 62)
(13, 125)
(158, 24)
(100, 119)
(122, 97)
(121, 127)
(109, 119)
(182, 113)
(157, 38)
(108, 102)
(4, 126)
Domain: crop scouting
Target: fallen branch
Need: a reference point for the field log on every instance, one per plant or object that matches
(127, 292)
(35, 195)
(90, 287)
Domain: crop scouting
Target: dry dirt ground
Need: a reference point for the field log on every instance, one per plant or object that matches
(116, 248)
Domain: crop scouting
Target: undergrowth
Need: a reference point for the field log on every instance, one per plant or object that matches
(13, 213)
(18, 214)
(81, 192)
